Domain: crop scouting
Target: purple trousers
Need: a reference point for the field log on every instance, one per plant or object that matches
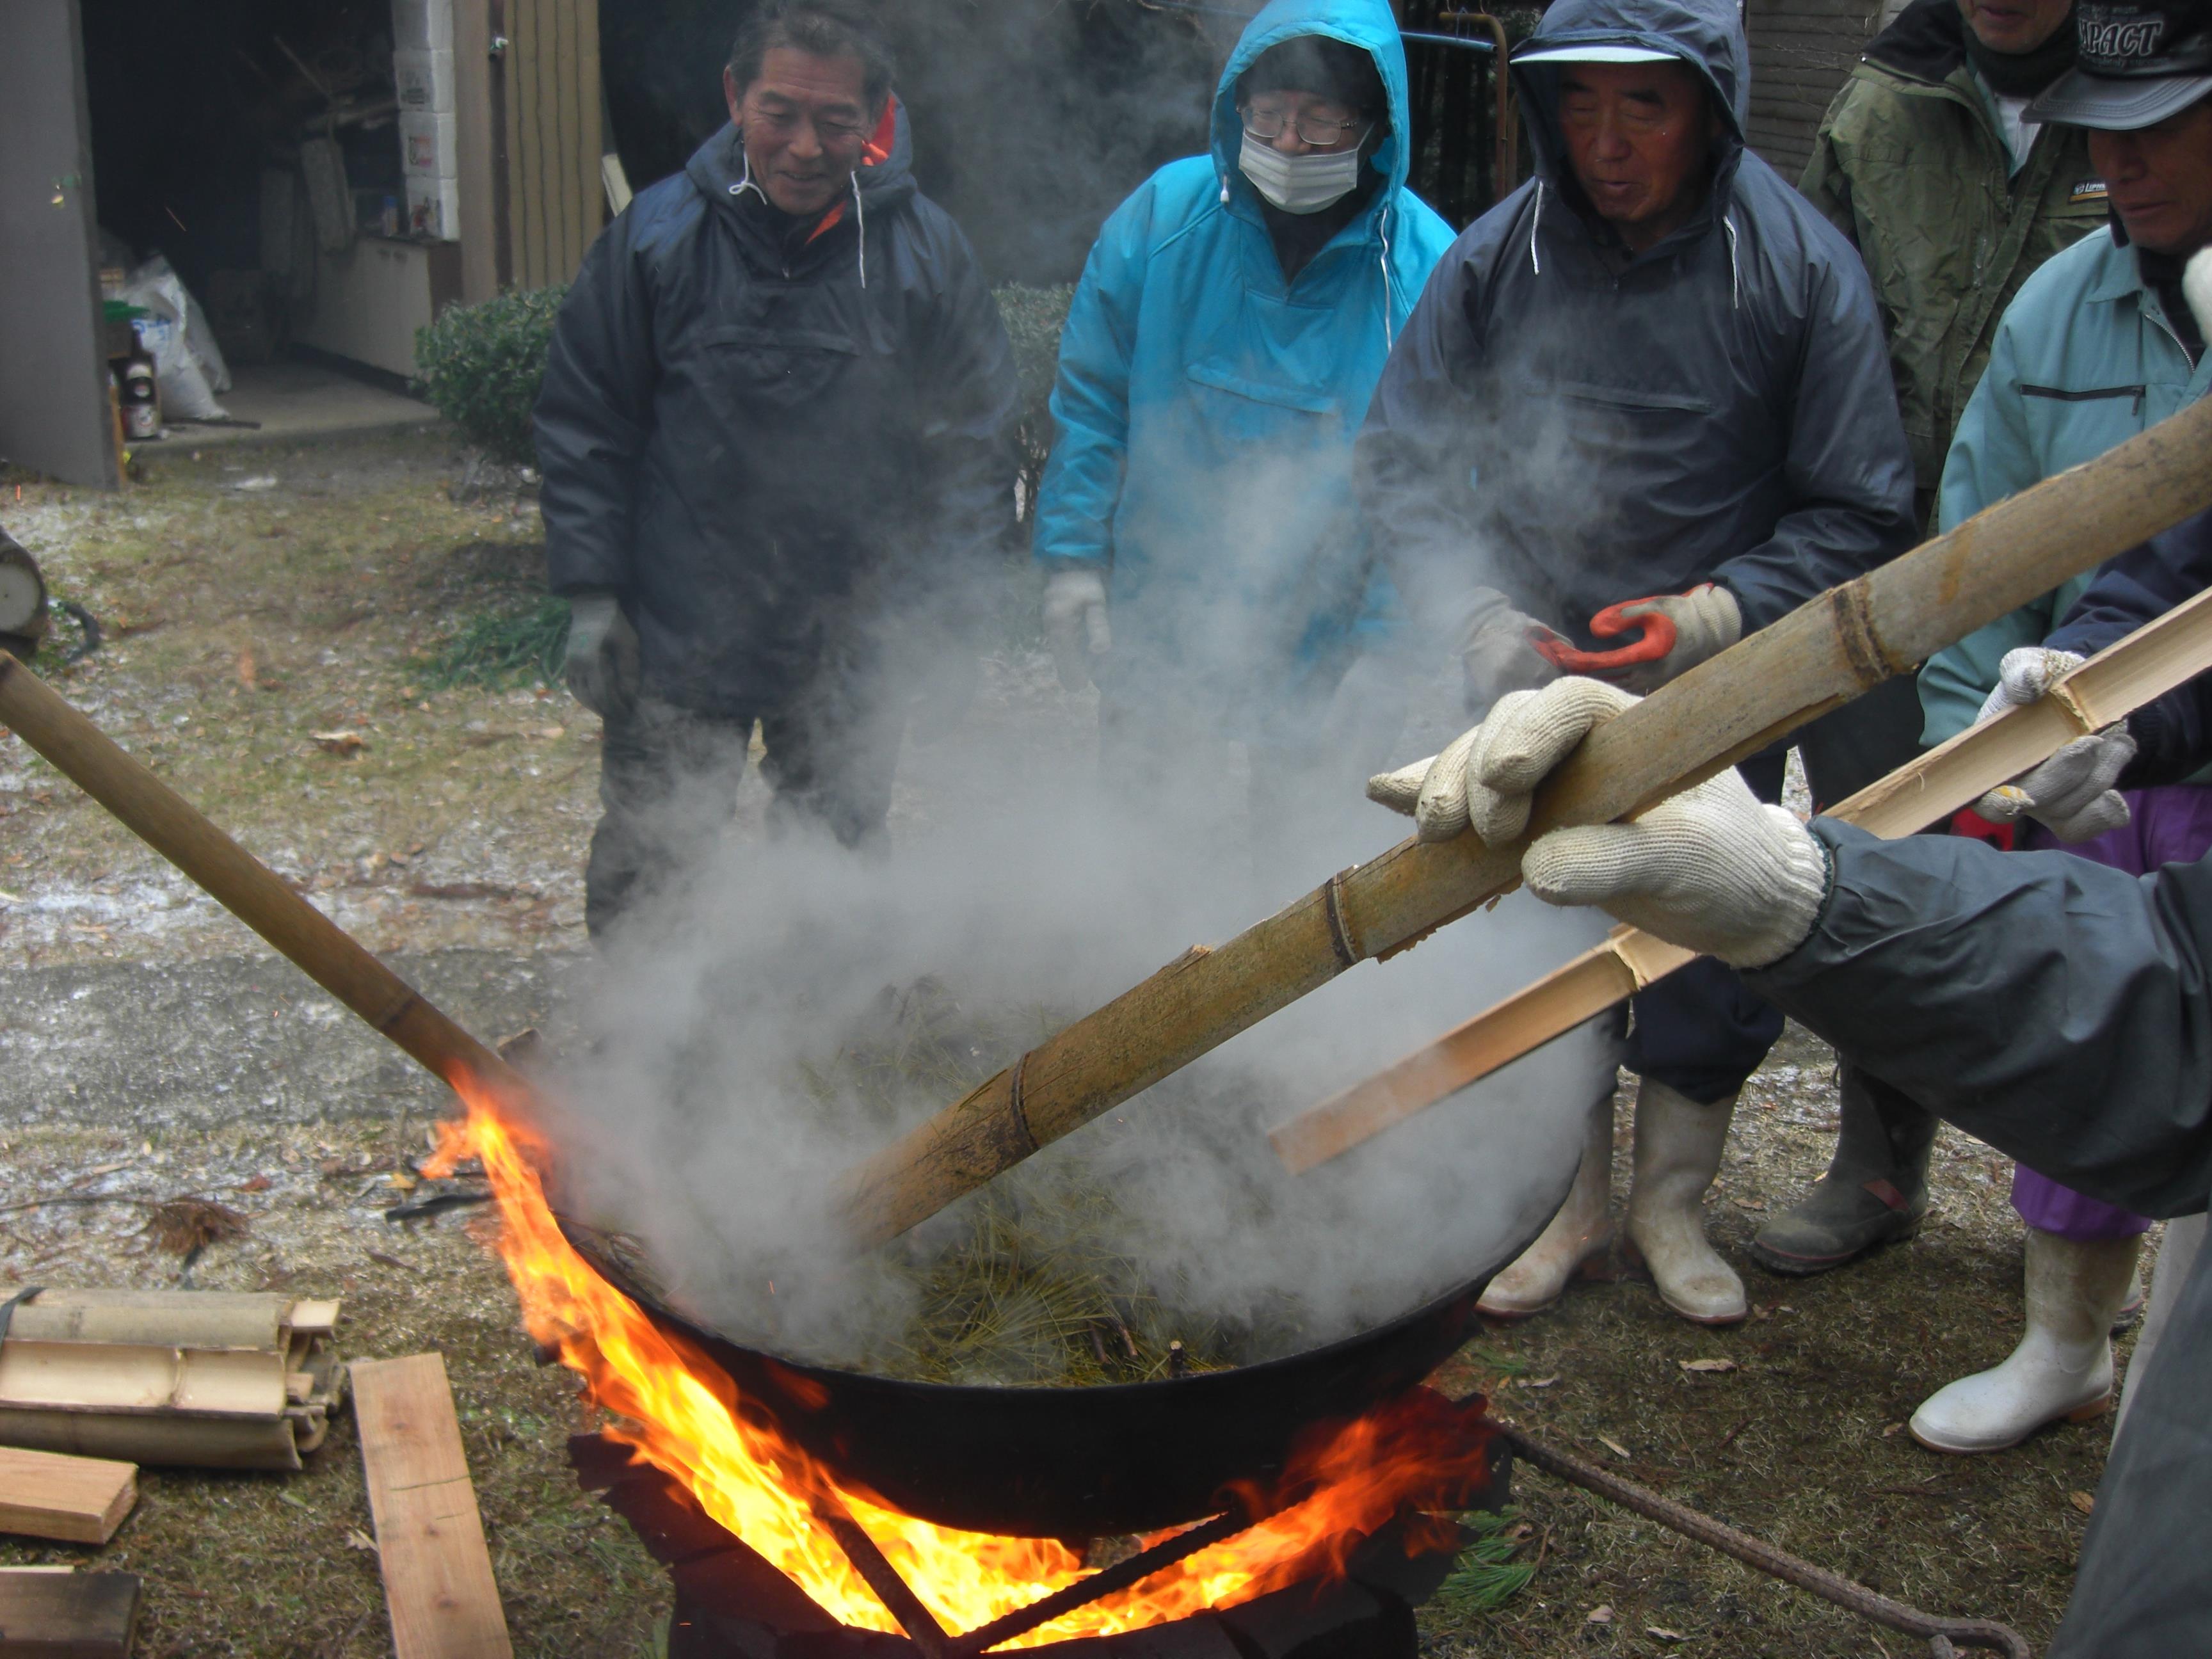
(2172, 824)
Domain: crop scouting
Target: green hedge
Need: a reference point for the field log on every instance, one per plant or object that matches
(480, 366)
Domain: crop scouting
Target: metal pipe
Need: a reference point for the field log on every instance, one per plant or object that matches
(1505, 135)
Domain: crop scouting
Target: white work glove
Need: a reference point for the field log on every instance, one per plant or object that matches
(1498, 652)
(2070, 795)
(602, 667)
(1707, 620)
(1711, 869)
(1075, 623)
(1448, 793)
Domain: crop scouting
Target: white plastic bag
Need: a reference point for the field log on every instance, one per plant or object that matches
(188, 366)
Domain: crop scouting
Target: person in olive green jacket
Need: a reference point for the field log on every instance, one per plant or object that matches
(1923, 162)
(1954, 201)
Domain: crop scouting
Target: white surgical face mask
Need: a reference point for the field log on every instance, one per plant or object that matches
(1299, 184)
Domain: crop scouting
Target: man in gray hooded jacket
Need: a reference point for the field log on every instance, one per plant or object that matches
(1654, 370)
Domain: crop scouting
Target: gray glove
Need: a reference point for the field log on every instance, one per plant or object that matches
(602, 667)
(1707, 620)
(1075, 623)
(1496, 652)
(1710, 869)
(2070, 795)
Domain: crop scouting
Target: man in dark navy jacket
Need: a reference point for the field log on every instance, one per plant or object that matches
(777, 438)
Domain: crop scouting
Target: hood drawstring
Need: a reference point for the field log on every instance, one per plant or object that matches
(746, 183)
(1736, 270)
(1384, 224)
(860, 215)
(1536, 224)
(1224, 190)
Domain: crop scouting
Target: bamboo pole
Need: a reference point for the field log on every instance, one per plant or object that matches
(2151, 661)
(252, 892)
(1819, 657)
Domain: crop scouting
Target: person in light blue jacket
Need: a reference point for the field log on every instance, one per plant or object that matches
(2091, 353)
(1196, 524)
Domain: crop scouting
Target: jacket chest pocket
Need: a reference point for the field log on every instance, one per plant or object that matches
(1244, 410)
(1634, 403)
(1621, 423)
(783, 369)
(2071, 424)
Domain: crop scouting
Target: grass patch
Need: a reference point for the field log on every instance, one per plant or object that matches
(502, 647)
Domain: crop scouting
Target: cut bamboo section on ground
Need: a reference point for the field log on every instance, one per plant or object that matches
(1818, 658)
(204, 1379)
(438, 1583)
(71, 1500)
(2153, 660)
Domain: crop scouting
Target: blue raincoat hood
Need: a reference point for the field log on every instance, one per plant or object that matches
(1706, 34)
(1206, 405)
(1366, 23)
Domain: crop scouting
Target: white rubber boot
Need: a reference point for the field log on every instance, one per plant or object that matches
(1677, 1153)
(2063, 1366)
(1580, 1233)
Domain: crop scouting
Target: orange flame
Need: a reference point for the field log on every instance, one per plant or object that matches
(758, 1485)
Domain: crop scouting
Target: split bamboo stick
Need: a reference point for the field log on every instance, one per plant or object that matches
(2151, 661)
(248, 889)
(1816, 659)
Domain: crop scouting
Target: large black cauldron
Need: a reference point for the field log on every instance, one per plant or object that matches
(1071, 1462)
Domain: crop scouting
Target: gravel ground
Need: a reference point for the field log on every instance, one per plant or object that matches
(149, 1048)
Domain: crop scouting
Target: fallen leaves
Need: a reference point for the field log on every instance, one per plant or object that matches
(1660, 1632)
(185, 1226)
(2082, 1501)
(1536, 1382)
(344, 745)
(1599, 1615)
(1614, 1447)
(1707, 1366)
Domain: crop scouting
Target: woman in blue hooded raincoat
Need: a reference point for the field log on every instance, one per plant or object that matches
(1197, 524)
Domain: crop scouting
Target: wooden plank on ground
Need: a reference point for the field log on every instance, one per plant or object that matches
(68, 1615)
(429, 1538)
(77, 1500)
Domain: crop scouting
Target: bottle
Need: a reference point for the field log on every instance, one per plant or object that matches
(141, 398)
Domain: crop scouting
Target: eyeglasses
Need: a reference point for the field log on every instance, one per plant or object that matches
(1311, 129)
(785, 123)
